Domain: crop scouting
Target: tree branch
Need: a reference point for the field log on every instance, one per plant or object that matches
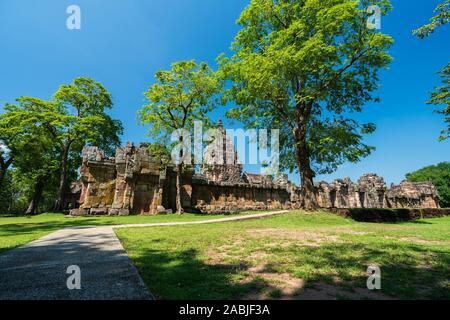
(345, 68)
(173, 118)
(5, 164)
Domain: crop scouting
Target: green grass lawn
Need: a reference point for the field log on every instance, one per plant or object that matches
(18, 230)
(294, 256)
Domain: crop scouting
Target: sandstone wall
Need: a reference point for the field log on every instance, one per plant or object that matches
(413, 195)
(392, 215)
(135, 182)
(129, 183)
(371, 192)
(221, 198)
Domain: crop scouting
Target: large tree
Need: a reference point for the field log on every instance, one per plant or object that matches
(80, 119)
(36, 169)
(32, 149)
(304, 66)
(441, 96)
(75, 117)
(11, 134)
(15, 132)
(182, 95)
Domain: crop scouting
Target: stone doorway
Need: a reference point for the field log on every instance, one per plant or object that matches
(144, 192)
(362, 197)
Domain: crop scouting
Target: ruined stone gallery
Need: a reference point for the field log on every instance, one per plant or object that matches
(135, 182)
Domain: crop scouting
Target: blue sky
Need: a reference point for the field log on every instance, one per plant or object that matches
(122, 43)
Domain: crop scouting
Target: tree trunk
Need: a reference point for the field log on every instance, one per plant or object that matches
(4, 165)
(59, 205)
(36, 197)
(306, 173)
(178, 200)
(2, 175)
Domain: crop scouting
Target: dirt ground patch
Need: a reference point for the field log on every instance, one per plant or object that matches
(306, 238)
(419, 241)
(283, 286)
(324, 291)
(271, 285)
(215, 256)
(263, 272)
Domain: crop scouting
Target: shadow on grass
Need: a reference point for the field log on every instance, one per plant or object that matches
(419, 222)
(184, 275)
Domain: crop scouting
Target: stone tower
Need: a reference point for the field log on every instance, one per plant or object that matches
(220, 160)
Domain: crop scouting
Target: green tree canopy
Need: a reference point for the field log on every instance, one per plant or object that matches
(441, 95)
(441, 18)
(304, 66)
(82, 119)
(32, 148)
(6, 157)
(440, 176)
(16, 131)
(182, 95)
(75, 117)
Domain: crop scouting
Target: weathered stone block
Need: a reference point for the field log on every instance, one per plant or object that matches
(134, 182)
(113, 212)
(99, 211)
(124, 212)
(160, 210)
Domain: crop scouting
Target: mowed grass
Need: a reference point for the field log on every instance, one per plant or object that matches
(295, 256)
(19, 230)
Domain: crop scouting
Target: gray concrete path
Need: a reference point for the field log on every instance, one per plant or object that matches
(37, 271)
(234, 218)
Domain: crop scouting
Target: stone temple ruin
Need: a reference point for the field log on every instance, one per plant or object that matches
(136, 182)
(371, 192)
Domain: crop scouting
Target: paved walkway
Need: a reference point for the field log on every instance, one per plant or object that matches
(234, 218)
(37, 271)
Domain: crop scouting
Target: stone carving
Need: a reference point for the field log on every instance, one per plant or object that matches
(221, 160)
(258, 179)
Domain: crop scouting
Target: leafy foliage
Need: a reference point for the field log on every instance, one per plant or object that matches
(305, 66)
(45, 138)
(439, 175)
(441, 18)
(32, 150)
(81, 116)
(6, 194)
(181, 96)
(441, 96)
(82, 120)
